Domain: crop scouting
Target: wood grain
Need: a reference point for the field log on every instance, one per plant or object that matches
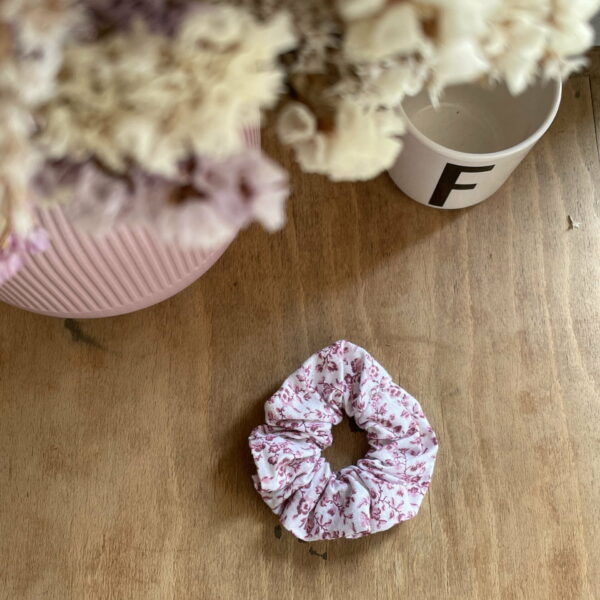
(124, 468)
(594, 78)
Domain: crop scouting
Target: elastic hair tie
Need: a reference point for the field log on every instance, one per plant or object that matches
(385, 487)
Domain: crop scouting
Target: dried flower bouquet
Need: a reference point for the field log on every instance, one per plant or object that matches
(134, 111)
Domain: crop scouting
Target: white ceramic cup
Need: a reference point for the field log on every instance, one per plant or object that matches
(460, 153)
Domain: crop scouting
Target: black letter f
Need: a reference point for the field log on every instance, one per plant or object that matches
(448, 180)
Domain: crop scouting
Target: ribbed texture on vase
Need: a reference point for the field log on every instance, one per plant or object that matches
(84, 276)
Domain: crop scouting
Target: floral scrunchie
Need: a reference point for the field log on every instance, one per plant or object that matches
(384, 488)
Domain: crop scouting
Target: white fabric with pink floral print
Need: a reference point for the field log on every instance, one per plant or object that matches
(385, 487)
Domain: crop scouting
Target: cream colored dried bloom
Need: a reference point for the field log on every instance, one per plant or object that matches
(394, 31)
(398, 81)
(351, 10)
(144, 97)
(523, 47)
(462, 61)
(19, 161)
(32, 35)
(381, 85)
(33, 45)
(393, 48)
(316, 23)
(462, 40)
(363, 142)
(296, 124)
(532, 38)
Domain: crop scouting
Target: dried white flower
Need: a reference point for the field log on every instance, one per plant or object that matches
(518, 62)
(32, 35)
(398, 81)
(362, 143)
(144, 97)
(396, 30)
(317, 27)
(392, 48)
(351, 10)
(296, 124)
(459, 62)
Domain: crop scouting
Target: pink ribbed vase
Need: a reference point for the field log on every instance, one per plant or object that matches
(83, 276)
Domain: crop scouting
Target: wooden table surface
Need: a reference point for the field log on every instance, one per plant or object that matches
(124, 467)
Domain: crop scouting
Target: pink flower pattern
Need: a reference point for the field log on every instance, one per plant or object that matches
(385, 487)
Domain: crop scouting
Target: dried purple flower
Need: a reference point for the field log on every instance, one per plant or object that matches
(208, 203)
(244, 188)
